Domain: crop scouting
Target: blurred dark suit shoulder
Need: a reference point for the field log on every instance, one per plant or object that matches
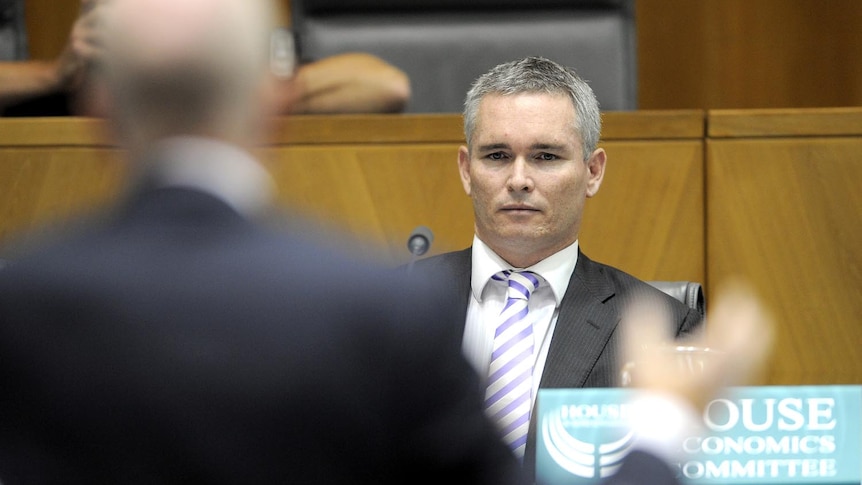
(175, 341)
(641, 468)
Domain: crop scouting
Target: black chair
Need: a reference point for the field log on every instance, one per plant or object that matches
(13, 34)
(444, 45)
(688, 292)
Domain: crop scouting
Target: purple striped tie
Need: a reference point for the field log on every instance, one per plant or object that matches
(510, 377)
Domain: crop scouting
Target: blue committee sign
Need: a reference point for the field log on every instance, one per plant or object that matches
(762, 435)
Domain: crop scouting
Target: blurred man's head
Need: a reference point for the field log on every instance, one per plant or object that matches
(185, 67)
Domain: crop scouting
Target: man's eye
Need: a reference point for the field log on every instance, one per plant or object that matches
(497, 156)
(547, 156)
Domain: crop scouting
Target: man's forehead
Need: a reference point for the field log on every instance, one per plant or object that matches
(559, 100)
(546, 110)
(536, 104)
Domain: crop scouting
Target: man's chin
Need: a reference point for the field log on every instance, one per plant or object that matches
(516, 237)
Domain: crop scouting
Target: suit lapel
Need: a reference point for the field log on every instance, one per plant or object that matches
(460, 268)
(583, 328)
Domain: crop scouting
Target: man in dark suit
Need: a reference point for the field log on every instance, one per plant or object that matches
(174, 340)
(531, 161)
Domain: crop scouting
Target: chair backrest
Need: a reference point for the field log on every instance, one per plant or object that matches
(444, 45)
(13, 34)
(688, 292)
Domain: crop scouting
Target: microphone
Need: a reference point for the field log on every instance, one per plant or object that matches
(418, 244)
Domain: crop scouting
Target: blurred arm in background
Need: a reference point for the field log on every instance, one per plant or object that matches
(24, 80)
(345, 83)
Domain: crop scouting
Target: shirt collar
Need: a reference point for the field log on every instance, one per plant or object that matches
(556, 269)
(212, 166)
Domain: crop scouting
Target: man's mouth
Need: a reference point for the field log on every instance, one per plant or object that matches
(518, 208)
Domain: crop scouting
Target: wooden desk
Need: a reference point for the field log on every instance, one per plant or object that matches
(771, 195)
(379, 176)
(784, 207)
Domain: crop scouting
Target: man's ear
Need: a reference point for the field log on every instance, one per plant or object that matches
(464, 167)
(596, 169)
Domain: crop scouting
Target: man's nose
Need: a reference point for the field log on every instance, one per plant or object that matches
(520, 179)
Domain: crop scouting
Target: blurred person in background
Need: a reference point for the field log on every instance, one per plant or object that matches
(176, 338)
(353, 82)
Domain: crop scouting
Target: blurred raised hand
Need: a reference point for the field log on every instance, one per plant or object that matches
(24, 81)
(84, 46)
(739, 335)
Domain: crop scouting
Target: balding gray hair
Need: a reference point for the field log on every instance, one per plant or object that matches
(538, 75)
(185, 66)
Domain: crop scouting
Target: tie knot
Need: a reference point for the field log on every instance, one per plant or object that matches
(521, 283)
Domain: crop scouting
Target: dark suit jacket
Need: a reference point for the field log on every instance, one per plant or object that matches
(175, 341)
(584, 347)
(642, 468)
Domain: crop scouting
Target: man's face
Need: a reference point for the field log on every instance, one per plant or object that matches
(527, 176)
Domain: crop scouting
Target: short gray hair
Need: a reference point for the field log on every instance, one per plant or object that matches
(538, 75)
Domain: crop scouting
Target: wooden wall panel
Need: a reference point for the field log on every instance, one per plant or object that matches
(672, 65)
(48, 25)
(749, 54)
(782, 205)
(377, 193)
(771, 123)
(784, 214)
(647, 219)
(43, 185)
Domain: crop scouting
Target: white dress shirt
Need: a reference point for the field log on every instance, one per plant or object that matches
(489, 296)
(212, 166)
